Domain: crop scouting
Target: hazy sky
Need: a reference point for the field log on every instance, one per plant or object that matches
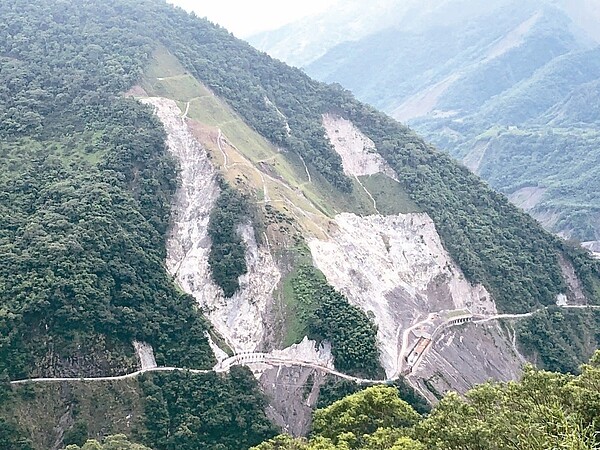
(245, 17)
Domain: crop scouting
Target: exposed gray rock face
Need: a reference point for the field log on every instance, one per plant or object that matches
(464, 356)
(594, 247)
(240, 319)
(358, 153)
(145, 354)
(395, 268)
(243, 319)
(293, 391)
(575, 294)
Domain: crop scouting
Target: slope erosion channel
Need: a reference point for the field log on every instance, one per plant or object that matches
(392, 266)
(242, 320)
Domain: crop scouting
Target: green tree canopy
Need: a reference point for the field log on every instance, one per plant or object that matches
(544, 410)
(116, 442)
(364, 413)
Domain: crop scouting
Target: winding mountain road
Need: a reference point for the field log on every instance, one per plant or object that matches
(115, 378)
(254, 358)
(219, 137)
(187, 109)
(223, 366)
(404, 345)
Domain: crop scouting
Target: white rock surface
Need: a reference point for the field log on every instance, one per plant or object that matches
(358, 153)
(561, 300)
(145, 354)
(219, 353)
(396, 268)
(240, 320)
(575, 294)
(594, 247)
(307, 350)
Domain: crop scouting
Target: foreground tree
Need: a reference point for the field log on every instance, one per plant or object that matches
(356, 416)
(116, 442)
(544, 410)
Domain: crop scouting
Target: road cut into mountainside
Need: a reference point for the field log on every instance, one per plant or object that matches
(396, 269)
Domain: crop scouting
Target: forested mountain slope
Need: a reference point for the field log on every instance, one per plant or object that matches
(500, 90)
(169, 191)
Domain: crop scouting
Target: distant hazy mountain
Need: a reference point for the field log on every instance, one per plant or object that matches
(510, 88)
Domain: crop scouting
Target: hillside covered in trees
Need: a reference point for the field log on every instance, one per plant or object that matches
(87, 187)
(61, 106)
(509, 88)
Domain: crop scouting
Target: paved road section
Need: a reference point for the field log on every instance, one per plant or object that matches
(436, 322)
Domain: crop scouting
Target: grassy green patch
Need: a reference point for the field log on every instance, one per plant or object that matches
(182, 88)
(209, 110)
(295, 310)
(389, 195)
(163, 64)
(166, 77)
(85, 148)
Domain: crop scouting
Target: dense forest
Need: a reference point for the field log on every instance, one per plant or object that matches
(327, 315)
(115, 442)
(86, 192)
(227, 251)
(336, 389)
(555, 325)
(166, 411)
(188, 412)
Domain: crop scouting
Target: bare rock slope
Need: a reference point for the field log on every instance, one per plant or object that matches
(240, 320)
(243, 319)
(396, 269)
(393, 267)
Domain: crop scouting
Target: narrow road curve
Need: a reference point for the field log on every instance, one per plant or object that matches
(274, 361)
(404, 346)
(507, 316)
(115, 378)
(266, 197)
